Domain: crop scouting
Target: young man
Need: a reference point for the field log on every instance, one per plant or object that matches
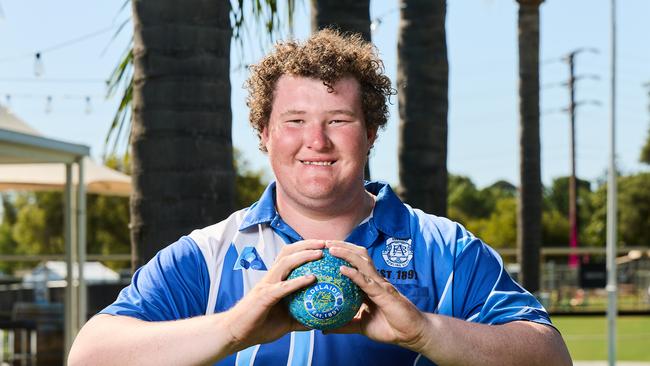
(435, 293)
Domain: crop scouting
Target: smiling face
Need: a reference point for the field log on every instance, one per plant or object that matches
(317, 142)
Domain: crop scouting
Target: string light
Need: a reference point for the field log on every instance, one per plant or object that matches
(49, 99)
(48, 104)
(376, 22)
(89, 107)
(39, 69)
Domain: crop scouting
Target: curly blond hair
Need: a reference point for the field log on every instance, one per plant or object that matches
(327, 55)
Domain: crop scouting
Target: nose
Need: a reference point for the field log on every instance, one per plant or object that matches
(316, 136)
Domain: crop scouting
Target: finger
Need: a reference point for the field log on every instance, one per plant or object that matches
(364, 308)
(302, 245)
(368, 284)
(358, 260)
(282, 267)
(344, 244)
(282, 289)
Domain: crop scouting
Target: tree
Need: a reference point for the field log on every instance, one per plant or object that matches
(8, 244)
(465, 200)
(346, 16)
(500, 228)
(529, 207)
(556, 208)
(422, 82)
(645, 151)
(633, 212)
(181, 146)
(249, 184)
(558, 195)
(32, 222)
(489, 213)
(37, 226)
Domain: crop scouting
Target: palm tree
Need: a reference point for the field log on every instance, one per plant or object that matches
(181, 146)
(422, 82)
(529, 208)
(346, 16)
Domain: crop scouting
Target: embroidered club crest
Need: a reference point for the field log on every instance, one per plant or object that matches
(398, 253)
(250, 259)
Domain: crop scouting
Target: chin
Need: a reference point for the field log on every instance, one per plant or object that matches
(317, 192)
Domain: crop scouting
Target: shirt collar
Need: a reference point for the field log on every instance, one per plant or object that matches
(390, 215)
(262, 211)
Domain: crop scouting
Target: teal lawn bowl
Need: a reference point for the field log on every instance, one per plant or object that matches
(332, 301)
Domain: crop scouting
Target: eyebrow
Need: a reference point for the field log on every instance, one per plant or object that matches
(291, 112)
(333, 111)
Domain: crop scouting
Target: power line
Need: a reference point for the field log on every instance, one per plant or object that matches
(37, 54)
(61, 81)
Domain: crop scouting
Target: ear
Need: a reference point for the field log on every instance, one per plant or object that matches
(264, 138)
(371, 135)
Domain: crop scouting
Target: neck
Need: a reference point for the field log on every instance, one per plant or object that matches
(329, 221)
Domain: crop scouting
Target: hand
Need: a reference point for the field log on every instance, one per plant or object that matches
(260, 316)
(387, 315)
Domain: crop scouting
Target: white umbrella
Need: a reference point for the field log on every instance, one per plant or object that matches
(34, 177)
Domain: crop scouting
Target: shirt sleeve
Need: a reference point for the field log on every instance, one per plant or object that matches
(172, 285)
(484, 292)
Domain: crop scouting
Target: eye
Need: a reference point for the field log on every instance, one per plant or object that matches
(295, 121)
(336, 121)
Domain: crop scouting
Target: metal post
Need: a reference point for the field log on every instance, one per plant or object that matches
(67, 234)
(81, 244)
(611, 208)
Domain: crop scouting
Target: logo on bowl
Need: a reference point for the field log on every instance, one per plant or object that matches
(323, 300)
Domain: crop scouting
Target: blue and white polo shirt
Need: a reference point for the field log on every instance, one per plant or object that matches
(441, 267)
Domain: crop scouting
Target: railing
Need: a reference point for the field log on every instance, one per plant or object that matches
(18, 342)
(61, 257)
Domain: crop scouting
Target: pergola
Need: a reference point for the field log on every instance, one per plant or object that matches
(19, 144)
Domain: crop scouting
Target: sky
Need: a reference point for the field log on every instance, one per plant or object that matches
(79, 49)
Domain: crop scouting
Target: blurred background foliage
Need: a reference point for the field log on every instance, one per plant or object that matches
(32, 222)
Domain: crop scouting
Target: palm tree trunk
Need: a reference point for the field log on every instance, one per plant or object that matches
(422, 83)
(183, 176)
(529, 209)
(346, 16)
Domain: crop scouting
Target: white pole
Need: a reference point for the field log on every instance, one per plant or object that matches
(611, 209)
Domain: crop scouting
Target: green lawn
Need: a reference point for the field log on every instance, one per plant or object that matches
(586, 337)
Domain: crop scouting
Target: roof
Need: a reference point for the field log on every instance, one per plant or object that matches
(20, 143)
(30, 161)
(56, 271)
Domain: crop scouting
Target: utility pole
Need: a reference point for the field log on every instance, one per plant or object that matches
(573, 196)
